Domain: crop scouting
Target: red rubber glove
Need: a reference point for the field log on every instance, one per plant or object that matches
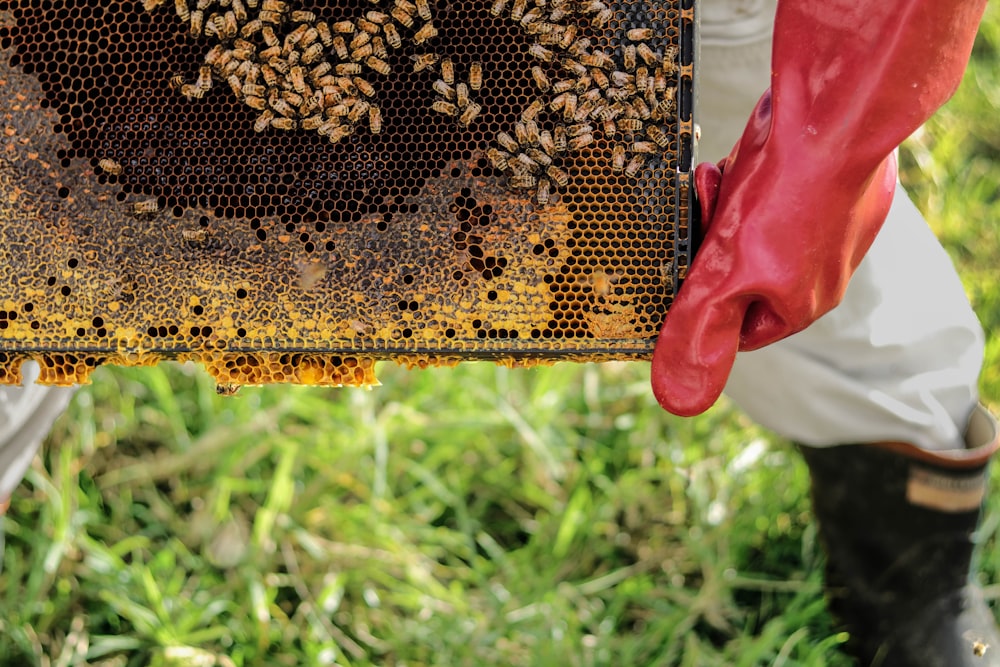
(800, 199)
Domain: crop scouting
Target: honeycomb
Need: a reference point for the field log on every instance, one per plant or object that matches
(288, 191)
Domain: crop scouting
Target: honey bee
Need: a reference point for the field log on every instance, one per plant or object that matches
(629, 57)
(340, 47)
(348, 69)
(602, 17)
(312, 54)
(666, 106)
(469, 114)
(284, 123)
(525, 163)
(496, 9)
(643, 147)
(145, 207)
(344, 27)
(443, 89)
(647, 54)
(274, 18)
(182, 10)
(297, 77)
(667, 275)
(358, 111)
(360, 40)
(423, 61)
(581, 141)
(517, 11)
(462, 95)
(192, 92)
(312, 122)
(661, 138)
(558, 176)
(263, 121)
(375, 119)
(542, 193)
(340, 132)
(424, 9)
(635, 165)
(150, 5)
(227, 388)
(507, 142)
(447, 108)
(660, 80)
(322, 31)
(568, 37)
(569, 106)
(364, 87)
(670, 59)
(641, 109)
(531, 16)
(618, 158)
(194, 235)
(539, 156)
(498, 158)
(427, 31)
(271, 53)
(392, 36)
(402, 16)
(369, 27)
(536, 50)
(359, 54)
(563, 85)
(560, 139)
(541, 80)
(235, 84)
(197, 22)
(630, 125)
(600, 78)
(522, 181)
(476, 76)
(279, 6)
(979, 645)
(535, 108)
(597, 59)
(639, 34)
(448, 71)
(240, 11)
(109, 166)
(531, 132)
(547, 143)
(610, 128)
(319, 71)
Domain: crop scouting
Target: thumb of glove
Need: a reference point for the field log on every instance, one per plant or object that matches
(697, 344)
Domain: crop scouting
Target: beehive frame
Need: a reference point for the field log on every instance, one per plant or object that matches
(287, 191)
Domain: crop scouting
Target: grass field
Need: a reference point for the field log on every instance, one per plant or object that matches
(468, 516)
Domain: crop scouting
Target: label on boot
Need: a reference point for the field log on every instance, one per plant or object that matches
(945, 493)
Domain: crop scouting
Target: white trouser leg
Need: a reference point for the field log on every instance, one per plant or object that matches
(899, 358)
(26, 415)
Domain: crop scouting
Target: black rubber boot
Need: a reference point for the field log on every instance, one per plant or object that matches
(897, 523)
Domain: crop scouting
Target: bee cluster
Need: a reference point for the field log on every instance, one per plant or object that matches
(302, 72)
(629, 103)
(298, 71)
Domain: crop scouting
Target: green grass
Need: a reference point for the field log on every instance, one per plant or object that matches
(468, 516)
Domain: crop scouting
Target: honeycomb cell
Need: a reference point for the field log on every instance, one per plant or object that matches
(286, 196)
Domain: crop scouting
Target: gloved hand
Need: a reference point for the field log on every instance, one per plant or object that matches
(796, 205)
